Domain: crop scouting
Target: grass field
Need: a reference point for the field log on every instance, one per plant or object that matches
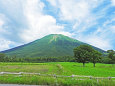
(58, 68)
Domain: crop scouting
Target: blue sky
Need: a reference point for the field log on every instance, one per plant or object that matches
(90, 21)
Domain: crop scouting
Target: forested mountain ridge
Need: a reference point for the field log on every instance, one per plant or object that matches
(54, 45)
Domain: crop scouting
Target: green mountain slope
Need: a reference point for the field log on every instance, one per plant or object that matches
(53, 45)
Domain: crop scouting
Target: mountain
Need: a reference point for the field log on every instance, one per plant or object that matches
(54, 45)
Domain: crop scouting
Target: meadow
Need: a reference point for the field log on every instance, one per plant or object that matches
(61, 69)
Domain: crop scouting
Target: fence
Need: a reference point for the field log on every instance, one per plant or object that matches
(57, 76)
(54, 75)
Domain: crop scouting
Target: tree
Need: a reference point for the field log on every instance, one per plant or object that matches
(82, 53)
(85, 53)
(95, 57)
(111, 55)
(2, 55)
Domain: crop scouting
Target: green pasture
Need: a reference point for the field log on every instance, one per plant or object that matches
(58, 68)
(61, 68)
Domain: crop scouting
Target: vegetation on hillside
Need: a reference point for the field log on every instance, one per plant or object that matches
(54, 45)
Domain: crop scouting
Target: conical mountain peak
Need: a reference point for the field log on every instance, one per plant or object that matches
(54, 45)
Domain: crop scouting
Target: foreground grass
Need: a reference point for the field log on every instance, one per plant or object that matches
(43, 80)
(58, 68)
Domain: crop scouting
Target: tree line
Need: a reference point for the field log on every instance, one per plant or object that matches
(82, 54)
(5, 58)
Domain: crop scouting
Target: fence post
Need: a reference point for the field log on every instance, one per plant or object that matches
(55, 79)
(73, 76)
(109, 78)
(39, 74)
(97, 80)
(90, 77)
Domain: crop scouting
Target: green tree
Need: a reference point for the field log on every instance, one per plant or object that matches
(2, 55)
(85, 53)
(82, 53)
(111, 55)
(95, 57)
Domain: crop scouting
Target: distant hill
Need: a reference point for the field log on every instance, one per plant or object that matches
(54, 45)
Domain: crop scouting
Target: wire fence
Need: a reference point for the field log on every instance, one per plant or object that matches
(56, 76)
(75, 77)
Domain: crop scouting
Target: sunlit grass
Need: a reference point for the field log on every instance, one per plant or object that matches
(61, 68)
(58, 68)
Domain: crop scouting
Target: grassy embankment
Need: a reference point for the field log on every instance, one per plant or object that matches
(58, 68)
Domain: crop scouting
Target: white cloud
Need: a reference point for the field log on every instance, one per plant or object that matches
(40, 27)
(97, 41)
(2, 22)
(100, 43)
(71, 9)
(79, 12)
(112, 28)
(113, 2)
(39, 24)
(53, 2)
(5, 44)
(75, 9)
(109, 26)
(12, 8)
